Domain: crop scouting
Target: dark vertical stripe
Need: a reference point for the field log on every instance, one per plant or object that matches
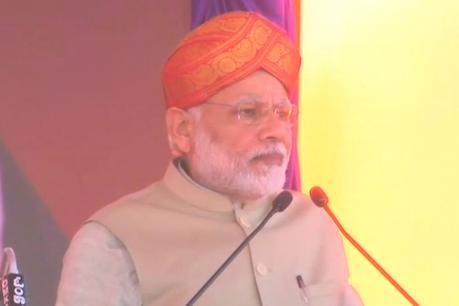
(32, 232)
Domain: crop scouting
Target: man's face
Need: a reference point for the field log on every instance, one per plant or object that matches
(233, 155)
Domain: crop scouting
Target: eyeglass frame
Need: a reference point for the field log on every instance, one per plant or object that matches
(292, 111)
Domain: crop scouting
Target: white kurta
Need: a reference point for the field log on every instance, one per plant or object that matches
(175, 234)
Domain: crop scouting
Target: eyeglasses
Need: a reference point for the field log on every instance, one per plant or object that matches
(254, 112)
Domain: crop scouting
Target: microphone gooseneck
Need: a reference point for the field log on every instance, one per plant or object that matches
(279, 204)
(320, 198)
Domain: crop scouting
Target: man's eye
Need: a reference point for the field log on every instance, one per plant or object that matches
(248, 112)
(283, 114)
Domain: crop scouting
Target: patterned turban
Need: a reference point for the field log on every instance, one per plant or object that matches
(226, 49)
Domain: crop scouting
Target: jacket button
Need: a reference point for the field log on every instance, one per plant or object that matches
(262, 269)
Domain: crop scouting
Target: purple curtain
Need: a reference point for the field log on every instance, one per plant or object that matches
(282, 13)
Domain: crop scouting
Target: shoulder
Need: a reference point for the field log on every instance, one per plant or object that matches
(93, 238)
(134, 203)
(308, 216)
(302, 204)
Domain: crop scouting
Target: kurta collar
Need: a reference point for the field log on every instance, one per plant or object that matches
(190, 191)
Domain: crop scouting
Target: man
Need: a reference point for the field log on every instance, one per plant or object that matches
(229, 124)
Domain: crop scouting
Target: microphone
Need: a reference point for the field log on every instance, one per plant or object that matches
(280, 203)
(13, 287)
(320, 198)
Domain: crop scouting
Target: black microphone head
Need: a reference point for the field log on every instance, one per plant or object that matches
(282, 200)
(318, 196)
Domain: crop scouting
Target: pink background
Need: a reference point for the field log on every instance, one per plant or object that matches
(81, 116)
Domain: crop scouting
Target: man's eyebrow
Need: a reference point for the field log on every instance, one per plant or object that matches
(247, 98)
(250, 97)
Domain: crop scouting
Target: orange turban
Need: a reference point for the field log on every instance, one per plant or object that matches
(226, 49)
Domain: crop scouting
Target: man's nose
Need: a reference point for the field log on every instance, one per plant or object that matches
(274, 129)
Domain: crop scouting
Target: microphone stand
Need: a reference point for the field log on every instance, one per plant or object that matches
(370, 258)
(319, 197)
(279, 204)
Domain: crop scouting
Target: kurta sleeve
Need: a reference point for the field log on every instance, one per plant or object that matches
(97, 270)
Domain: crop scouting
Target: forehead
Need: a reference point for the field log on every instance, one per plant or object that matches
(259, 85)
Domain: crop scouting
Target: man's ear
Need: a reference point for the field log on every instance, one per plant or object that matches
(180, 127)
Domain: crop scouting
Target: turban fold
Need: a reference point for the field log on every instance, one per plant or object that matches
(223, 50)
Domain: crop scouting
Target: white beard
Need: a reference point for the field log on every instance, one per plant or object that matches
(215, 168)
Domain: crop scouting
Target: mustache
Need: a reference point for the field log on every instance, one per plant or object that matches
(271, 149)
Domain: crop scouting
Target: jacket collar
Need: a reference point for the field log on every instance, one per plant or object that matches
(178, 181)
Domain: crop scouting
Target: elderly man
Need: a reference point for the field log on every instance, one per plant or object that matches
(229, 123)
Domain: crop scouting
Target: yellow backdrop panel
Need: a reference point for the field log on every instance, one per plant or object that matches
(379, 131)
